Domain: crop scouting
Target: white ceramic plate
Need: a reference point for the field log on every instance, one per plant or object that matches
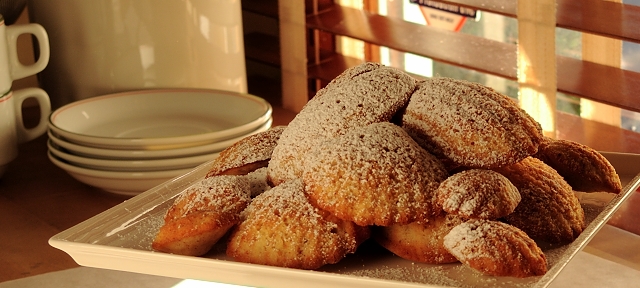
(123, 183)
(159, 118)
(120, 239)
(130, 165)
(104, 153)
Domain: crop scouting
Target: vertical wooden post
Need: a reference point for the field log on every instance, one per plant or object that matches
(537, 61)
(347, 46)
(606, 51)
(293, 48)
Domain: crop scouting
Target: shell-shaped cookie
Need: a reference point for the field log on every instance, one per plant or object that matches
(469, 124)
(258, 181)
(202, 214)
(374, 175)
(478, 193)
(496, 248)
(584, 168)
(361, 95)
(248, 154)
(549, 209)
(281, 228)
(419, 241)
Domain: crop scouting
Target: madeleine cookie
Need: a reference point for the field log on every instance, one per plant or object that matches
(478, 193)
(469, 124)
(549, 209)
(374, 175)
(419, 241)
(496, 248)
(361, 95)
(202, 214)
(248, 154)
(584, 168)
(281, 228)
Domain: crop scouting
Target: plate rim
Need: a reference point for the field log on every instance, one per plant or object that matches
(159, 142)
(147, 154)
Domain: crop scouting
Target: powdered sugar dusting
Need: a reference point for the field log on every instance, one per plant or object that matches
(496, 248)
(470, 124)
(258, 181)
(224, 193)
(470, 240)
(374, 174)
(478, 193)
(251, 149)
(280, 227)
(362, 95)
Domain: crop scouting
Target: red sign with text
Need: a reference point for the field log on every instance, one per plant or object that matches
(445, 16)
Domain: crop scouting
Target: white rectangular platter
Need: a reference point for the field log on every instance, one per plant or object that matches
(120, 239)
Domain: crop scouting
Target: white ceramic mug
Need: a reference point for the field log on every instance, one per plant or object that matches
(103, 46)
(12, 129)
(10, 66)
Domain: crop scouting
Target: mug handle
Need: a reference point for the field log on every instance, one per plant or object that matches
(42, 97)
(18, 70)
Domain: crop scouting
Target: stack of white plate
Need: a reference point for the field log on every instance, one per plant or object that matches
(127, 143)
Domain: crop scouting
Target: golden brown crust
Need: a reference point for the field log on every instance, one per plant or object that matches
(193, 235)
(478, 193)
(374, 175)
(248, 154)
(361, 95)
(470, 124)
(549, 209)
(584, 168)
(201, 215)
(419, 241)
(496, 248)
(281, 228)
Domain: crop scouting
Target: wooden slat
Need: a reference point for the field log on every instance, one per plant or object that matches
(332, 67)
(584, 79)
(605, 84)
(605, 18)
(599, 136)
(458, 49)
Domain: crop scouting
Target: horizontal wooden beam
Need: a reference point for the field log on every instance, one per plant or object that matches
(601, 83)
(584, 79)
(596, 135)
(605, 18)
(484, 55)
